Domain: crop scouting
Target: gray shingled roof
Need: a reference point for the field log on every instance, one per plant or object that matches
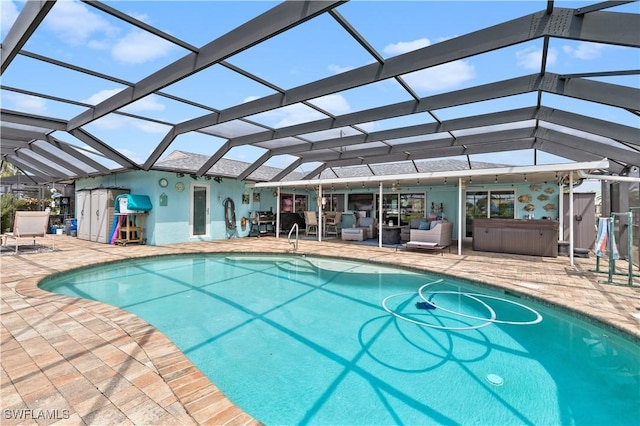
(187, 162)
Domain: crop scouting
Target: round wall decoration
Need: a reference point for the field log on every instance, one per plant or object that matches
(163, 182)
(179, 186)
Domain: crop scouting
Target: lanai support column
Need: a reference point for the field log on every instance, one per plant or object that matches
(560, 212)
(571, 218)
(380, 215)
(460, 215)
(320, 218)
(278, 214)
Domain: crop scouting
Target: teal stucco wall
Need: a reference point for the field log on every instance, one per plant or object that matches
(168, 224)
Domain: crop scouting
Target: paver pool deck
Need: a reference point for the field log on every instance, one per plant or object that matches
(73, 361)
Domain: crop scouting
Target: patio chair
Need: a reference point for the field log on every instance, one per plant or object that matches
(29, 225)
(311, 223)
(334, 223)
(369, 225)
(437, 238)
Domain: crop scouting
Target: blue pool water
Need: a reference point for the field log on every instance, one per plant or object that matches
(295, 340)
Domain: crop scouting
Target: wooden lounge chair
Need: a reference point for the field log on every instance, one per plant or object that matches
(29, 225)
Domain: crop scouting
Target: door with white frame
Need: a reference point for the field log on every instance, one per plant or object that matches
(199, 216)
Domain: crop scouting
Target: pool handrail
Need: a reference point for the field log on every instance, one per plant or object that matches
(295, 243)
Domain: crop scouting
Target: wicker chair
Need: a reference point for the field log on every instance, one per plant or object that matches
(311, 223)
(334, 223)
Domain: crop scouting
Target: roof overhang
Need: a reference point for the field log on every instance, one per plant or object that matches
(511, 174)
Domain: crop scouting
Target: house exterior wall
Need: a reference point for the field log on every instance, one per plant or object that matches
(169, 224)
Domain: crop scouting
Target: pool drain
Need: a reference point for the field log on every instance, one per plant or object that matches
(494, 379)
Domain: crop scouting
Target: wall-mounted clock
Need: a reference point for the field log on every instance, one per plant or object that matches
(163, 183)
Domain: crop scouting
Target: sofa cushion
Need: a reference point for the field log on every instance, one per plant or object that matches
(425, 226)
(434, 223)
(415, 223)
(366, 221)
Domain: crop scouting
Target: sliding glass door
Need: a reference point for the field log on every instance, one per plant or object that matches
(399, 209)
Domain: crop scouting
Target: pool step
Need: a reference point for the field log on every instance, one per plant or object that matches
(297, 265)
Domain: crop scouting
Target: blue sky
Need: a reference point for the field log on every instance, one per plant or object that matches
(84, 36)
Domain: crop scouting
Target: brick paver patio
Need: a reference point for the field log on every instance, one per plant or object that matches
(71, 361)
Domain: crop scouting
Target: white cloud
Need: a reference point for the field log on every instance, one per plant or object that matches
(148, 103)
(8, 15)
(584, 50)
(531, 57)
(138, 47)
(150, 127)
(405, 46)
(131, 155)
(337, 69)
(441, 77)
(299, 113)
(369, 126)
(26, 103)
(335, 104)
(115, 122)
(111, 122)
(96, 98)
(103, 44)
(76, 24)
(293, 114)
(140, 16)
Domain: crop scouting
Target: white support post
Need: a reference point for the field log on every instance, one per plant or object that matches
(560, 213)
(320, 218)
(571, 219)
(460, 215)
(277, 215)
(380, 215)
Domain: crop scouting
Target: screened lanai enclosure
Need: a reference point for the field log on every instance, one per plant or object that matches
(320, 89)
(97, 87)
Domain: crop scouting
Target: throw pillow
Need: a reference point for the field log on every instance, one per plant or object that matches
(434, 223)
(424, 226)
(415, 223)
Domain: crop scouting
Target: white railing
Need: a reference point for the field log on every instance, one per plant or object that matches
(294, 243)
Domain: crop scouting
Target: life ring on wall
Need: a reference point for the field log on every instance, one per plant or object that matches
(229, 213)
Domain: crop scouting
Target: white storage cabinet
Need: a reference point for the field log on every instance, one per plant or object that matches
(96, 212)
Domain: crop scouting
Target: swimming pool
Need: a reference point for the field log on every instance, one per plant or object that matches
(296, 340)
